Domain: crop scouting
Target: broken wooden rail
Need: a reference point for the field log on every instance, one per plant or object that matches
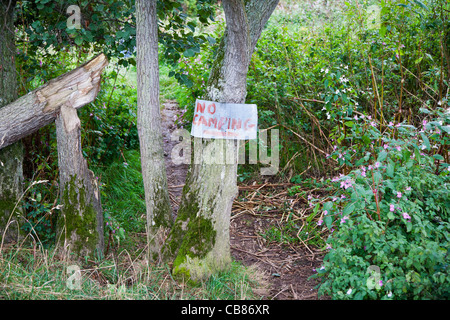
(41, 106)
(80, 224)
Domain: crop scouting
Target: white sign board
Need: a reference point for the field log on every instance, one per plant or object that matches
(224, 120)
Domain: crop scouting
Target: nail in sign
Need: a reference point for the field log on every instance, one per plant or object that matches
(224, 120)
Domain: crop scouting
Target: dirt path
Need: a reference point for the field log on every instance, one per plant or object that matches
(286, 268)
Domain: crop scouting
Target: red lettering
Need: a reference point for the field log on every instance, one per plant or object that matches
(193, 121)
(209, 108)
(202, 120)
(236, 124)
(221, 123)
(212, 121)
(248, 126)
(200, 107)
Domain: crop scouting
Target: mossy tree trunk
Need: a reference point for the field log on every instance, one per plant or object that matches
(80, 225)
(11, 158)
(159, 212)
(35, 110)
(199, 240)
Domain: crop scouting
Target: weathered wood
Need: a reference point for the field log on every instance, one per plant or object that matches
(80, 225)
(41, 106)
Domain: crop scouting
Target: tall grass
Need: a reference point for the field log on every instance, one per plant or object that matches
(39, 274)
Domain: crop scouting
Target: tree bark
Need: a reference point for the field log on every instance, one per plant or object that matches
(28, 114)
(41, 106)
(159, 212)
(199, 240)
(80, 225)
(11, 158)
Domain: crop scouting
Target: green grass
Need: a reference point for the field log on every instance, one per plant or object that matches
(169, 88)
(122, 190)
(34, 274)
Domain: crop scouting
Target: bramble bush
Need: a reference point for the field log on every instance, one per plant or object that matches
(391, 213)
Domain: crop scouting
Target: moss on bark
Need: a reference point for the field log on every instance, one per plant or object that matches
(10, 191)
(78, 222)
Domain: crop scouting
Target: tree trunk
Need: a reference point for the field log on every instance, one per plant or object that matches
(199, 240)
(80, 225)
(11, 158)
(41, 106)
(159, 212)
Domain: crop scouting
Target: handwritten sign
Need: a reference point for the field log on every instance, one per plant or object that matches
(224, 120)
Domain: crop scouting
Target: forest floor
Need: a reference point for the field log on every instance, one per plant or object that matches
(285, 268)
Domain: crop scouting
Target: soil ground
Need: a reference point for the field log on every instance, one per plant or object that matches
(286, 268)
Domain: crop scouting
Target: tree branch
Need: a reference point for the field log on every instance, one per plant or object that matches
(41, 106)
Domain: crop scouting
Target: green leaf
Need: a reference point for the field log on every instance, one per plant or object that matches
(438, 157)
(349, 124)
(408, 226)
(189, 53)
(348, 209)
(383, 31)
(390, 169)
(381, 156)
(78, 40)
(446, 128)
(390, 215)
(328, 221)
(421, 4)
(426, 142)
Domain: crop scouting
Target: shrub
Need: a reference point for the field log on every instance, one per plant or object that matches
(390, 218)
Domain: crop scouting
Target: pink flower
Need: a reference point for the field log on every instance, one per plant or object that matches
(408, 188)
(399, 194)
(346, 184)
(377, 164)
(319, 223)
(406, 216)
(325, 212)
(344, 219)
(392, 208)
